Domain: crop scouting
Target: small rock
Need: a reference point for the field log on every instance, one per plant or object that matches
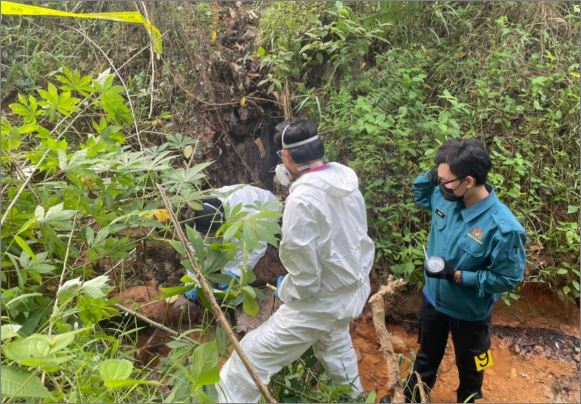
(516, 349)
(538, 349)
(524, 375)
(576, 357)
(513, 373)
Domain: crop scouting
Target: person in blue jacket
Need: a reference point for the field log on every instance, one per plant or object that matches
(483, 247)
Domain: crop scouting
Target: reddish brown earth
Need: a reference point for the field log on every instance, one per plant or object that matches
(533, 344)
(533, 347)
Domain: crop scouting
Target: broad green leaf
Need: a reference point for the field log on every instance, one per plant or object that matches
(8, 331)
(249, 291)
(195, 240)
(204, 365)
(250, 306)
(58, 217)
(231, 231)
(20, 383)
(40, 350)
(69, 289)
(90, 235)
(178, 246)
(115, 370)
(39, 213)
(96, 287)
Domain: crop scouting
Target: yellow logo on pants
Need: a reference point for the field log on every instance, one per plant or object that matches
(483, 360)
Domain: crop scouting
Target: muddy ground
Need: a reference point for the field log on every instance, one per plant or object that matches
(535, 345)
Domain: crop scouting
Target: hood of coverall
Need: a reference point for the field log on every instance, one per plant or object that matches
(338, 180)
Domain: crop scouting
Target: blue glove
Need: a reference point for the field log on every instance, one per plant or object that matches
(192, 294)
(224, 286)
(278, 283)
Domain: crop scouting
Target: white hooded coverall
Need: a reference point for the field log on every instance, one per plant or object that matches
(328, 255)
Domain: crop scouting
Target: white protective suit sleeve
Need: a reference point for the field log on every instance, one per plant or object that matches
(246, 195)
(298, 251)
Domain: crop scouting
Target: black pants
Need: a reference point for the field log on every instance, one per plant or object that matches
(471, 338)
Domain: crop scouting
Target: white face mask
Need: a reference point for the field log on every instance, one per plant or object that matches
(283, 175)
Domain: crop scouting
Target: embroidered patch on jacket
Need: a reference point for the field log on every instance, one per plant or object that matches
(440, 213)
(476, 234)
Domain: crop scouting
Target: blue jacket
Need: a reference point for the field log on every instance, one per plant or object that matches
(485, 241)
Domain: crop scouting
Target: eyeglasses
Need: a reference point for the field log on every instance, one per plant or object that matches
(455, 179)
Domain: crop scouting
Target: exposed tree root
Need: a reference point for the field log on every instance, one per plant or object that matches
(378, 302)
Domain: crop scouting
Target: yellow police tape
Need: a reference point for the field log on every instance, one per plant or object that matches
(11, 8)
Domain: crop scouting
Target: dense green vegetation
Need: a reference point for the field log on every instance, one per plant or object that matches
(92, 119)
(390, 82)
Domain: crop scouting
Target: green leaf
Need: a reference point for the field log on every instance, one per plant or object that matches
(173, 291)
(8, 331)
(204, 368)
(41, 350)
(230, 233)
(572, 209)
(250, 306)
(94, 288)
(90, 235)
(249, 291)
(25, 247)
(371, 397)
(195, 240)
(57, 217)
(115, 369)
(261, 52)
(69, 289)
(178, 246)
(73, 81)
(21, 383)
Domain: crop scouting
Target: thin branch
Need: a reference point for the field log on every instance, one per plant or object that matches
(62, 278)
(213, 303)
(147, 320)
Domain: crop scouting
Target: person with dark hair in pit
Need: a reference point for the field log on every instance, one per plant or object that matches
(209, 219)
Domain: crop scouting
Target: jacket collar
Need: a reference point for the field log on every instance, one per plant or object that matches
(479, 207)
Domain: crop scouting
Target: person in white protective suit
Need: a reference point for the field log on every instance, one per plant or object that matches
(328, 255)
(210, 218)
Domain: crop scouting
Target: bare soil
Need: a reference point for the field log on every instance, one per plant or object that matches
(535, 345)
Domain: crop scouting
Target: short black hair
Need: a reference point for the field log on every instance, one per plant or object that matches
(466, 157)
(300, 129)
(209, 219)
